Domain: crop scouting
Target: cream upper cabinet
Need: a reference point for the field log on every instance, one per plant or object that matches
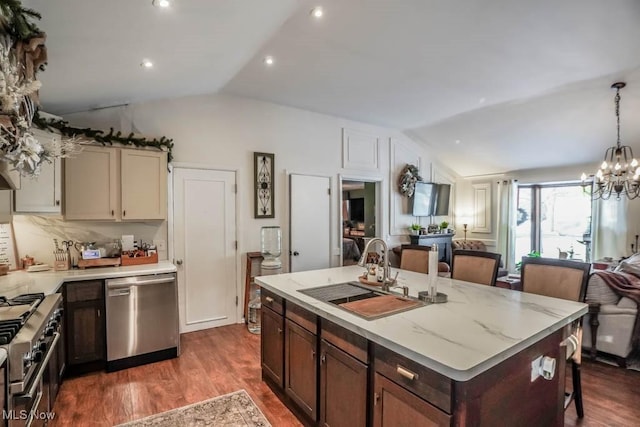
(144, 184)
(5, 206)
(42, 194)
(105, 183)
(91, 184)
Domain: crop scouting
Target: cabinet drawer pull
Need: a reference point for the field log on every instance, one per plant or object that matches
(268, 299)
(376, 398)
(57, 202)
(313, 354)
(124, 213)
(112, 212)
(323, 357)
(279, 330)
(406, 373)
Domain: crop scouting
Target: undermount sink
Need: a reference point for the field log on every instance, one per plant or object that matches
(364, 301)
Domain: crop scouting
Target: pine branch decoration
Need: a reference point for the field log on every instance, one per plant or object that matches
(17, 21)
(163, 143)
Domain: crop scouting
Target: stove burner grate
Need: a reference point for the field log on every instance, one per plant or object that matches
(21, 299)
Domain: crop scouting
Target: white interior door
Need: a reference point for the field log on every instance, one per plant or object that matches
(204, 208)
(310, 222)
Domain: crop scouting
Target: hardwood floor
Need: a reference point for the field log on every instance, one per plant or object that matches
(222, 360)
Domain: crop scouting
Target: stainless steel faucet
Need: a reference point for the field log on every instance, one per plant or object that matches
(386, 276)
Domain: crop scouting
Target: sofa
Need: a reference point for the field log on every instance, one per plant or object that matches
(611, 315)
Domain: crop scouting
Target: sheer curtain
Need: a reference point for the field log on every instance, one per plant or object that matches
(610, 228)
(506, 236)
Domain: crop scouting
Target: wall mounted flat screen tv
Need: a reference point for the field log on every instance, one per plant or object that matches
(424, 197)
(443, 193)
(356, 210)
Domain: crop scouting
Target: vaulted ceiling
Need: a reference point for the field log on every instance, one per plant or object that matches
(492, 85)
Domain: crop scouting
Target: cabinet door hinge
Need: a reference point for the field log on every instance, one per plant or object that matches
(236, 300)
(235, 188)
(328, 191)
(235, 244)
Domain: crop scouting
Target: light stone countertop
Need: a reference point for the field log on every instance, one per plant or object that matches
(479, 326)
(49, 282)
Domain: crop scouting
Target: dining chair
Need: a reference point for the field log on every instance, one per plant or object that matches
(475, 266)
(416, 258)
(565, 279)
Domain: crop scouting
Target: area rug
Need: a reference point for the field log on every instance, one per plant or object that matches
(233, 409)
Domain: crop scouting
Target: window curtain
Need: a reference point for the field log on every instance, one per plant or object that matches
(506, 236)
(610, 228)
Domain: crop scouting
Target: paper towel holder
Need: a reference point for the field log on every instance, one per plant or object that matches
(439, 299)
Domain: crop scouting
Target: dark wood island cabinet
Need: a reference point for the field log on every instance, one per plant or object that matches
(332, 377)
(85, 325)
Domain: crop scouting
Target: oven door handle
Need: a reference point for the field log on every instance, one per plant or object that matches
(36, 379)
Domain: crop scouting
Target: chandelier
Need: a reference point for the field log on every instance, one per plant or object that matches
(619, 173)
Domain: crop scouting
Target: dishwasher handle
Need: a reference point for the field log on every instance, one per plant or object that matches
(119, 292)
(140, 281)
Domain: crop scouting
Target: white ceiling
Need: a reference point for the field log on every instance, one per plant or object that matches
(520, 83)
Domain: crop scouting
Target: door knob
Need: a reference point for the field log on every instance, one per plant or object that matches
(178, 262)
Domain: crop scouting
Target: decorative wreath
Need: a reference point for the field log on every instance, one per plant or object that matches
(408, 179)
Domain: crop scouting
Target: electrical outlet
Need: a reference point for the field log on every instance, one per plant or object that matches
(161, 245)
(535, 368)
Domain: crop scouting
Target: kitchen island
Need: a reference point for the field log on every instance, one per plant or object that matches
(464, 362)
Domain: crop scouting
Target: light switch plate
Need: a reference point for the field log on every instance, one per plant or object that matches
(161, 245)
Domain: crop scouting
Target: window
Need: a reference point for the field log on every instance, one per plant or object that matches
(554, 219)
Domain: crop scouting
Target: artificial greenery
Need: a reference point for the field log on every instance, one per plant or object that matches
(99, 136)
(415, 227)
(532, 254)
(17, 21)
(444, 225)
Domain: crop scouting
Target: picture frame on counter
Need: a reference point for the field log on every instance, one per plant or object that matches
(8, 252)
(263, 164)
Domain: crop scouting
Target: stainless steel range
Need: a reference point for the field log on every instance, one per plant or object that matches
(30, 332)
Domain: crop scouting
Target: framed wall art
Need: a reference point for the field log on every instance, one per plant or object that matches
(263, 179)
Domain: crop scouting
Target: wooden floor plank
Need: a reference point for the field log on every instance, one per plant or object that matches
(226, 359)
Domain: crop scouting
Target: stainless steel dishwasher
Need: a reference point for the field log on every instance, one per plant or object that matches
(142, 320)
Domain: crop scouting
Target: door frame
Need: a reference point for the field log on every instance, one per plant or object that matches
(238, 223)
(332, 224)
(378, 180)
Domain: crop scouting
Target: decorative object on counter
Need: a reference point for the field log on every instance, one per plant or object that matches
(26, 261)
(408, 178)
(138, 258)
(4, 269)
(263, 164)
(433, 228)
(233, 409)
(99, 262)
(444, 226)
(465, 231)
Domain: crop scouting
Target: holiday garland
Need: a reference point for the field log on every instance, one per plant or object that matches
(17, 21)
(101, 137)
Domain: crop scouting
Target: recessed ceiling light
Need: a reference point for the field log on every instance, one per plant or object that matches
(269, 60)
(482, 100)
(457, 141)
(317, 12)
(161, 3)
(146, 63)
